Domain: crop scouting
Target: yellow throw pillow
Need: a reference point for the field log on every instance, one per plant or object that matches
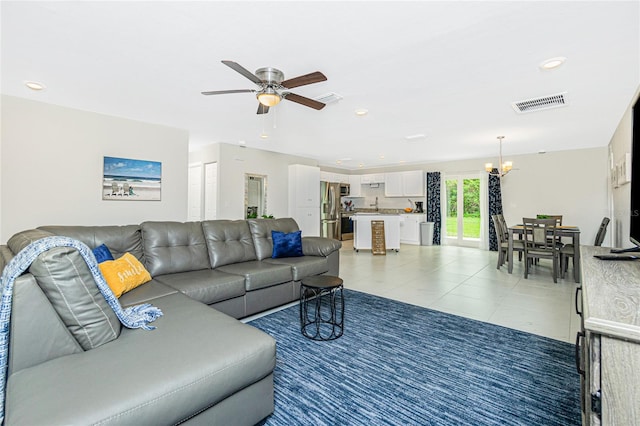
(124, 274)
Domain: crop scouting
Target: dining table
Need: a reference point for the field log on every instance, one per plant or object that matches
(562, 231)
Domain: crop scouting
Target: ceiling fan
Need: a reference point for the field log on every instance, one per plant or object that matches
(272, 87)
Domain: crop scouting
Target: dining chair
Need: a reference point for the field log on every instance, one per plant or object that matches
(557, 218)
(502, 235)
(569, 251)
(539, 243)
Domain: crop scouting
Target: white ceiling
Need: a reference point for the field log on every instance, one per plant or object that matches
(448, 70)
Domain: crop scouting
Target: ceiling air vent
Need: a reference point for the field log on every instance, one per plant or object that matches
(328, 98)
(538, 104)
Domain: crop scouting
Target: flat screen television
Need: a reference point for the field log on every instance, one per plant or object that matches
(634, 223)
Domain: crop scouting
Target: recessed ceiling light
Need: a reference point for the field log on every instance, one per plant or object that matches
(34, 85)
(382, 157)
(338, 162)
(552, 63)
(361, 111)
(361, 165)
(264, 135)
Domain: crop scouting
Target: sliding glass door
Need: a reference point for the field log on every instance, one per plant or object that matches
(463, 210)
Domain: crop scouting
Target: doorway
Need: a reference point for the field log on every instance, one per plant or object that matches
(202, 192)
(463, 210)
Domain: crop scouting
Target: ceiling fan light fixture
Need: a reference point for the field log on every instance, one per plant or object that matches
(269, 97)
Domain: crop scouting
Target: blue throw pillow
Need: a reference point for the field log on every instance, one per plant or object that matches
(102, 253)
(286, 245)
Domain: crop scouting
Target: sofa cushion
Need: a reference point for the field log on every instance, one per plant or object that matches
(261, 233)
(304, 266)
(5, 256)
(319, 246)
(37, 332)
(146, 293)
(119, 239)
(195, 358)
(66, 280)
(286, 245)
(258, 274)
(22, 239)
(124, 274)
(206, 286)
(171, 247)
(228, 241)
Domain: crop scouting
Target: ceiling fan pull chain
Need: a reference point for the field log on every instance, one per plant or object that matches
(275, 119)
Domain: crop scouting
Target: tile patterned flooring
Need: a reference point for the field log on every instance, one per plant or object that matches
(464, 281)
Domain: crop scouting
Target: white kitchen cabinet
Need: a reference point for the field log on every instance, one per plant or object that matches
(304, 198)
(410, 228)
(355, 186)
(330, 176)
(304, 186)
(393, 184)
(372, 178)
(333, 177)
(326, 176)
(413, 183)
(404, 184)
(308, 220)
(362, 230)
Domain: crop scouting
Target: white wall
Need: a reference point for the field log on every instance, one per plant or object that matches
(234, 161)
(51, 167)
(621, 196)
(571, 183)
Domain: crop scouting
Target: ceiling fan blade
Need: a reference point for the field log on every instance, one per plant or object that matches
(242, 70)
(224, 92)
(314, 77)
(262, 109)
(311, 103)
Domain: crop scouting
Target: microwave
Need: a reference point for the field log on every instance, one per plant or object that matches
(344, 190)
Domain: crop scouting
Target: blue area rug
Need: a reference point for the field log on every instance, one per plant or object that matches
(399, 364)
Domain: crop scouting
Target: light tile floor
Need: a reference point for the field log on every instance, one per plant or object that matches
(465, 281)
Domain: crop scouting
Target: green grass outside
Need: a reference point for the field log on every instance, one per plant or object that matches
(471, 227)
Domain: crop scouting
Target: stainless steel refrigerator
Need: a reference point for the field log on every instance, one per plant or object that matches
(330, 210)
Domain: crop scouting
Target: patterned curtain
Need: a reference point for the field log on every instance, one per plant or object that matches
(495, 207)
(433, 204)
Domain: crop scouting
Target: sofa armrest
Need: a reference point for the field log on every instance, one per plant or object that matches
(319, 246)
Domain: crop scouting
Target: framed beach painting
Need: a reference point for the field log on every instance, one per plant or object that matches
(133, 180)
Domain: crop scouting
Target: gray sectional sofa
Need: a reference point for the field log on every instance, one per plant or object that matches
(71, 362)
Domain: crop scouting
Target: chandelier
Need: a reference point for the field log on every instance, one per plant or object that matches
(505, 167)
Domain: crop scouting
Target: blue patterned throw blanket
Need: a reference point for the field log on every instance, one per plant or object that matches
(138, 316)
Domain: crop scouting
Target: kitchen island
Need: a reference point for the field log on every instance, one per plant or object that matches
(362, 230)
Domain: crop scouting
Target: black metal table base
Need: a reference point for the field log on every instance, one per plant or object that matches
(322, 310)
